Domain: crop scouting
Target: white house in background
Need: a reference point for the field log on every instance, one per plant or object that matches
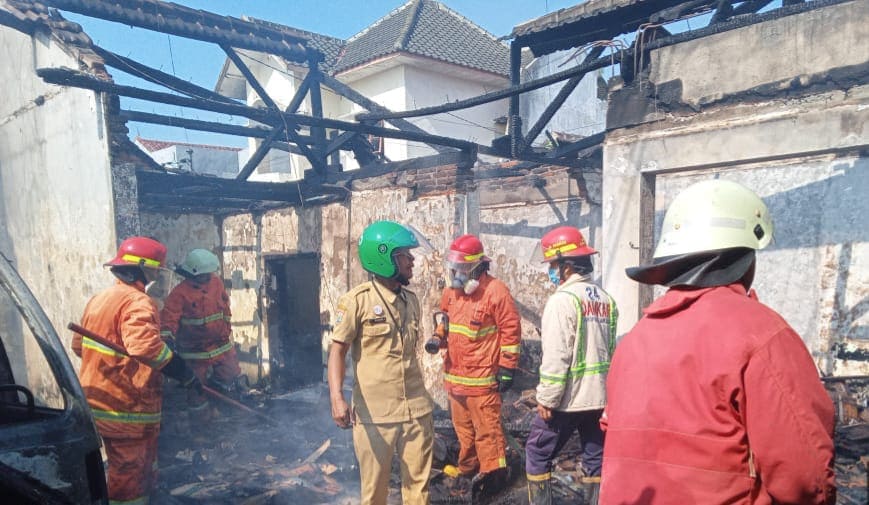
(221, 161)
(420, 54)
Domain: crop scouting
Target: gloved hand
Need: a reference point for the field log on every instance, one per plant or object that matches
(505, 379)
(178, 369)
(193, 382)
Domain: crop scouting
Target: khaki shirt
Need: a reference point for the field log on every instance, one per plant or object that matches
(383, 328)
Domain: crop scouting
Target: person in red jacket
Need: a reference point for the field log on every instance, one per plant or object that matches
(712, 396)
(125, 391)
(482, 353)
(196, 319)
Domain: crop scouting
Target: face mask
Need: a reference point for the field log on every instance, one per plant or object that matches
(458, 280)
(471, 286)
(554, 276)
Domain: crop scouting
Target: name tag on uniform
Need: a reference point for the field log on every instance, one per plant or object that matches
(376, 320)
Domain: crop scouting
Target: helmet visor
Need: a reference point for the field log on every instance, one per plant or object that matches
(462, 268)
(424, 246)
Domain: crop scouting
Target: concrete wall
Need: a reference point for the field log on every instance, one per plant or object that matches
(786, 117)
(582, 114)
(509, 214)
(57, 205)
(180, 234)
(211, 161)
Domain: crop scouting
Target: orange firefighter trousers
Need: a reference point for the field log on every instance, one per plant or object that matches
(132, 467)
(477, 421)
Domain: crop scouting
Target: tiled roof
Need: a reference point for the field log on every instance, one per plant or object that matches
(156, 145)
(427, 28)
(329, 46)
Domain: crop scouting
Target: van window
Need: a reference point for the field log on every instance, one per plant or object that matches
(24, 369)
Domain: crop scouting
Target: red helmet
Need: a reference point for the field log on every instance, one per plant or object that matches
(140, 251)
(564, 242)
(466, 249)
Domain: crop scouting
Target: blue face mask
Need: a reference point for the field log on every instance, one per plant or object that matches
(554, 276)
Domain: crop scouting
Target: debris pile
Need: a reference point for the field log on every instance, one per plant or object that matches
(851, 398)
(236, 458)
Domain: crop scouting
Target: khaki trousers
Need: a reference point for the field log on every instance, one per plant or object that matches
(375, 446)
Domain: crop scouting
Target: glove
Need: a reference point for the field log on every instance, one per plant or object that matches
(193, 383)
(178, 369)
(505, 379)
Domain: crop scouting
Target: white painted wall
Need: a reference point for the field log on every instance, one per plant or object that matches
(583, 113)
(55, 180)
(219, 162)
(426, 88)
(389, 89)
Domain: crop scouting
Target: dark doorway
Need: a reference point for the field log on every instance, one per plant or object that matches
(293, 317)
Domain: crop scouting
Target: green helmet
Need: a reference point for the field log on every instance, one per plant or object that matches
(199, 261)
(712, 215)
(377, 243)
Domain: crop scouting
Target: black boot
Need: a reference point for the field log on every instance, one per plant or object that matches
(590, 489)
(539, 489)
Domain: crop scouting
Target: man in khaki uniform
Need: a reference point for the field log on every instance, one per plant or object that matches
(378, 321)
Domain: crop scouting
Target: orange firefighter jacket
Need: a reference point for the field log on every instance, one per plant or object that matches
(197, 316)
(484, 335)
(123, 392)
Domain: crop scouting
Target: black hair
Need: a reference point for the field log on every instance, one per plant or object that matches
(580, 264)
(129, 273)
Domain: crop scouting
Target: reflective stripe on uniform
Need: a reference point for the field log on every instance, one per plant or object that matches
(576, 372)
(470, 381)
(465, 331)
(126, 417)
(167, 335)
(164, 356)
(207, 354)
(100, 348)
(142, 500)
(201, 321)
(538, 478)
(510, 348)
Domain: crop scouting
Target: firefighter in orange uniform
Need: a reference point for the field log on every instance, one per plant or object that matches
(482, 354)
(125, 396)
(196, 317)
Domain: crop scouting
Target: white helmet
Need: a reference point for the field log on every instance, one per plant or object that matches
(199, 261)
(713, 215)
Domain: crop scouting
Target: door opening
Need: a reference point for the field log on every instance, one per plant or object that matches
(293, 318)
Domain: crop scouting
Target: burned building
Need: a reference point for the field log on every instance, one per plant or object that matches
(776, 99)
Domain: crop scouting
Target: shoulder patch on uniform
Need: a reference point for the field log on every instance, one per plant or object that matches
(339, 314)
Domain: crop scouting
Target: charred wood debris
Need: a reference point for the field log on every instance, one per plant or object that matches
(236, 458)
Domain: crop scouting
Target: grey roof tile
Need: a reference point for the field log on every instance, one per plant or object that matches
(428, 28)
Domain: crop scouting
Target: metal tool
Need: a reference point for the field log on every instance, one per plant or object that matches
(438, 340)
(205, 389)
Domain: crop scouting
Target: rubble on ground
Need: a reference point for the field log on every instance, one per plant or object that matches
(236, 458)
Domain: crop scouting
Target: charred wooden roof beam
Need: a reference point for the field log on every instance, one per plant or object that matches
(195, 24)
(66, 77)
(264, 147)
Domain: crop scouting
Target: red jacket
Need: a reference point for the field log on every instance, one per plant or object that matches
(124, 394)
(484, 336)
(714, 399)
(197, 316)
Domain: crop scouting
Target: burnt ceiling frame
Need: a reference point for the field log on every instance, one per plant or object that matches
(281, 127)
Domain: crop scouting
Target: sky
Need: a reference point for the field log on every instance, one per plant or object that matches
(200, 62)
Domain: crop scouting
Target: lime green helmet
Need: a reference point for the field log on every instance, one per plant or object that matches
(379, 241)
(199, 261)
(712, 215)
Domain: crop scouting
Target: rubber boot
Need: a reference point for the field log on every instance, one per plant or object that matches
(539, 489)
(590, 489)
